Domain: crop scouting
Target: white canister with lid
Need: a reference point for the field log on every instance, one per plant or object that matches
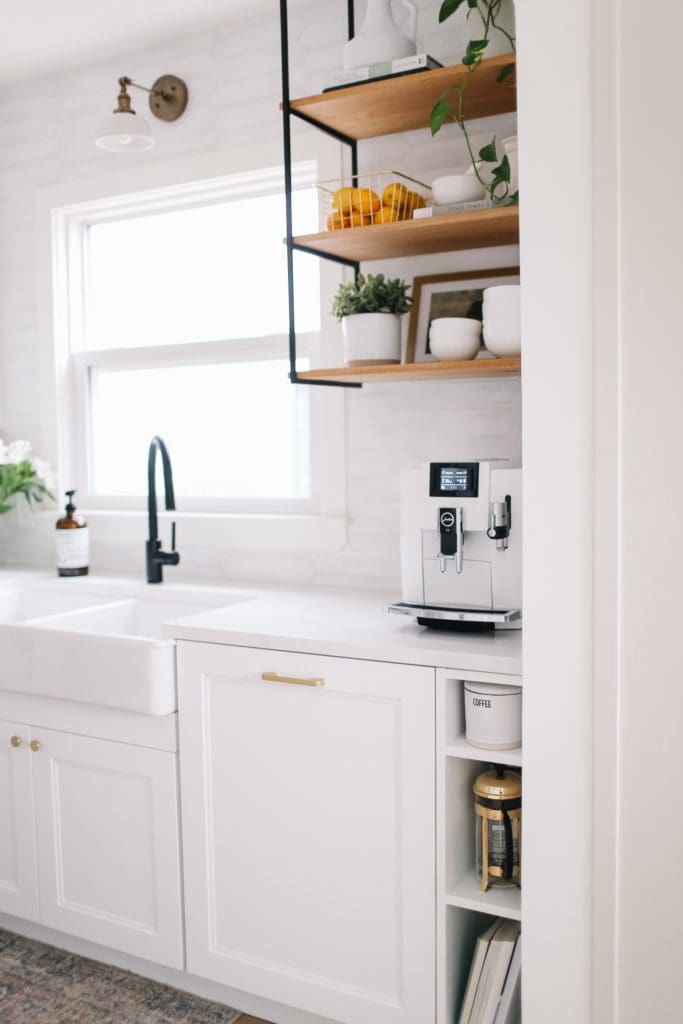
(493, 715)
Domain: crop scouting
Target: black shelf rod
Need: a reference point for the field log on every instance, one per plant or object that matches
(295, 379)
(332, 257)
(291, 246)
(347, 140)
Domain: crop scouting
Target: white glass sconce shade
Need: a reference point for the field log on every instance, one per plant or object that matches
(124, 132)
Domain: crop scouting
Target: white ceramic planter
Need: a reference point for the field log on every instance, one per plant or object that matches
(380, 39)
(371, 338)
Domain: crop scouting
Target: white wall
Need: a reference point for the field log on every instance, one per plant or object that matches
(556, 168)
(46, 132)
(639, 364)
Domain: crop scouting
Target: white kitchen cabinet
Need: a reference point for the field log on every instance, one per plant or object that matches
(308, 830)
(107, 840)
(89, 829)
(18, 877)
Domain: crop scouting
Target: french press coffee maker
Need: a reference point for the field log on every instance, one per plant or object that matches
(498, 806)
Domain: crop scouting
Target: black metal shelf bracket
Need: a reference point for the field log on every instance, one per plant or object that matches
(291, 245)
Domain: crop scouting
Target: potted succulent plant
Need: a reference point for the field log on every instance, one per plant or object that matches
(370, 310)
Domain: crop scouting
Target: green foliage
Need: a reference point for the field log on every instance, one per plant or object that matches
(505, 72)
(451, 104)
(488, 153)
(371, 293)
(441, 111)
(20, 478)
(449, 7)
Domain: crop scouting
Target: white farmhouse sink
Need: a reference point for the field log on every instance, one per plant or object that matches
(114, 655)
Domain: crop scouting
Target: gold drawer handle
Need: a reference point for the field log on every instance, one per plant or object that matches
(273, 677)
(35, 746)
(16, 741)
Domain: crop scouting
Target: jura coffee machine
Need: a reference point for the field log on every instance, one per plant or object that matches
(461, 545)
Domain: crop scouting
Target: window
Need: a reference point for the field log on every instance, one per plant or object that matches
(171, 319)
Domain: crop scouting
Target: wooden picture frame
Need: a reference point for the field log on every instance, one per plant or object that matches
(469, 286)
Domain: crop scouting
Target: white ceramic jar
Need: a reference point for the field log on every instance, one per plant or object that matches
(493, 715)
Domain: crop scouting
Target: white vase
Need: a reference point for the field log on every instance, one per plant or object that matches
(380, 39)
(371, 338)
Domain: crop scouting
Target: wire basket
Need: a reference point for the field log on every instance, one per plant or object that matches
(378, 198)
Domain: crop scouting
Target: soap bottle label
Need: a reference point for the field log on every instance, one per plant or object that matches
(73, 548)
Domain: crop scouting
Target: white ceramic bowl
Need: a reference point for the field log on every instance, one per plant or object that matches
(502, 340)
(503, 320)
(456, 188)
(502, 293)
(454, 337)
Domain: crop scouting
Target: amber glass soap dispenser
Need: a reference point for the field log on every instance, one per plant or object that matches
(73, 542)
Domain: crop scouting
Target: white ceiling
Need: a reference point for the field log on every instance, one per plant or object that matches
(38, 37)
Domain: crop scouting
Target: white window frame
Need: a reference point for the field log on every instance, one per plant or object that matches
(64, 214)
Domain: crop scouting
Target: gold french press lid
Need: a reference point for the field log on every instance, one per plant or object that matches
(499, 784)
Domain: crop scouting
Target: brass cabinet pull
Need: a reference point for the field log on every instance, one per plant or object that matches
(16, 741)
(273, 677)
(35, 746)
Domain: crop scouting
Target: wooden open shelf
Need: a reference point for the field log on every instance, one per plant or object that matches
(447, 370)
(403, 104)
(470, 229)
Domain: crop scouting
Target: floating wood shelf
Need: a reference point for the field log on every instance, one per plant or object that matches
(445, 370)
(403, 104)
(472, 229)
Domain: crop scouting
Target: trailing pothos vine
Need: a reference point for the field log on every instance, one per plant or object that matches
(451, 104)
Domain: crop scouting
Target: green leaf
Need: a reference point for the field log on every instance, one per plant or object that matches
(488, 153)
(449, 7)
(505, 72)
(502, 171)
(6, 508)
(440, 113)
(472, 4)
(475, 51)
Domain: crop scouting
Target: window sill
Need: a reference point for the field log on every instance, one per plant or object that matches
(222, 530)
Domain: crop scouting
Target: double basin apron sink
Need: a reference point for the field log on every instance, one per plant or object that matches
(97, 642)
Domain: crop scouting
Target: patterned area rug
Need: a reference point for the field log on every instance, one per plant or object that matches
(40, 984)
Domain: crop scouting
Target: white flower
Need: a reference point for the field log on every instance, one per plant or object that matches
(4, 453)
(44, 472)
(19, 451)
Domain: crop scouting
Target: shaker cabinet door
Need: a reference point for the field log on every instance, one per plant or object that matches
(18, 876)
(308, 825)
(108, 847)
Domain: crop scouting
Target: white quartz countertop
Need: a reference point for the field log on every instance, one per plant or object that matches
(349, 626)
(309, 620)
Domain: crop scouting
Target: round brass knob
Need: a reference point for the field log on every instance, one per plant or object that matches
(35, 746)
(16, 741)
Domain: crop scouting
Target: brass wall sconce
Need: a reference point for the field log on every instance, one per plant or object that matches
(124, 131)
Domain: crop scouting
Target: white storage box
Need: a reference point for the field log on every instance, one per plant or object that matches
(493, 715)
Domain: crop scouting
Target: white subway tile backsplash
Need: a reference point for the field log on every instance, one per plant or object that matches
(233, 72)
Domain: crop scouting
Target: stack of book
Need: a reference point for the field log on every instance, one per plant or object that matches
(493, 992)
(386, 69)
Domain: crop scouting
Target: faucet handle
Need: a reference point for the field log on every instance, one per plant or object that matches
(173, 536)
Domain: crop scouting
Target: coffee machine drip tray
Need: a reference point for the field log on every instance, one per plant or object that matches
(450, 617)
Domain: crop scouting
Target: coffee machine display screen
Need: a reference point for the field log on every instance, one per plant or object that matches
(454, 479)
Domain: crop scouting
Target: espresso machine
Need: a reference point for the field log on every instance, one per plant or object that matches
(461, 545)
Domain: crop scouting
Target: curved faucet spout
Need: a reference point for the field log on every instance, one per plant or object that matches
(156, 558)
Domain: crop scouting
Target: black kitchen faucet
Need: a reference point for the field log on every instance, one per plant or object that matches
(156, 558)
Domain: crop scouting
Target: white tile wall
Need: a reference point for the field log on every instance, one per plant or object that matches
(46, 132)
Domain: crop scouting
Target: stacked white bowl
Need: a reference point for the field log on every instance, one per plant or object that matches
(502, 330)
(454, 337)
